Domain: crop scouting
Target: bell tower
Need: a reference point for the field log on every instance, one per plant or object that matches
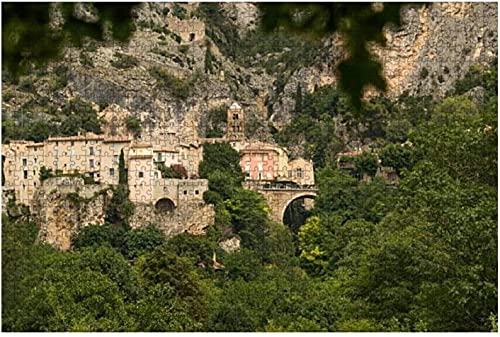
(235, 123)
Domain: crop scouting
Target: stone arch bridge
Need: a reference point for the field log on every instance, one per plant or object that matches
(279, 198)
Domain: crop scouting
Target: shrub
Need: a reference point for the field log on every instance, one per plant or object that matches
(133, 124)
(424, 73)
(45, 173)
(86, 60)
(366, 163)
(124, 61)
(179, 11)
(164, 78)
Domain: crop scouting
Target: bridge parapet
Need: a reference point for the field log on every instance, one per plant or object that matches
(279, 195)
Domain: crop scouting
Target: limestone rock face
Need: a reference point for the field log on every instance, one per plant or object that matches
(64, 205)
(244, 14)
(435, 46)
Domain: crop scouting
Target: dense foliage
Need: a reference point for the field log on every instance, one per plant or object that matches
(417, 256)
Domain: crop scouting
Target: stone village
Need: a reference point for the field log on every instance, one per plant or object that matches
(174, 205)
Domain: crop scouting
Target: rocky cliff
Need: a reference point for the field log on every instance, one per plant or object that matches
(62, 206)
(185, 60)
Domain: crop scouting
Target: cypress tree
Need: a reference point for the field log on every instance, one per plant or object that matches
(122, 171)
(298, 100)
(209, 68)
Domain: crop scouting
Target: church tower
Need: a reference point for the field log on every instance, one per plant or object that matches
(235, 123)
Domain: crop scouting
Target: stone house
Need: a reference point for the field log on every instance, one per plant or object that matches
(190, 30)
(95, 156)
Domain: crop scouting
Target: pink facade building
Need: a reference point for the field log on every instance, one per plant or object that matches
(259, 163)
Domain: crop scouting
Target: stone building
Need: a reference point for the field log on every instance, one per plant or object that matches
(190, 30)
(64, 204)
(97, 157)
(267, 162)
(235, 130)
(345, 162)
(262, 161)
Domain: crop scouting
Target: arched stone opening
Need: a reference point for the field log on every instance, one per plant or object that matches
(165, 205)
(296, 212)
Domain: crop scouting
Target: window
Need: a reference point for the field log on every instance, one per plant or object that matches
(260, 175)
(34, 160)
(196, 192)
(91, 150)
(72, 143)
(159, 157)
(299, 173)
(185, 192)
(191, 37)
(25, 174)
(235, 116)
(25, 161)
(289, 174)
(116, 159)
(141, 174)
(91, 162)
(156, 174)
(111, 172)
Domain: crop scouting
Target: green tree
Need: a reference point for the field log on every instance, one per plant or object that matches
(249, 217)
(209, 67)
(45, 173)
(366, 163)
(444, 234)
(197, 248)
(133, 124)
(62, 291)
(461, 138)
(139, 241)
(396, 156)
(161, 270)
(99, 235)
(122, 171)
(119, 208)
(222, 157)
